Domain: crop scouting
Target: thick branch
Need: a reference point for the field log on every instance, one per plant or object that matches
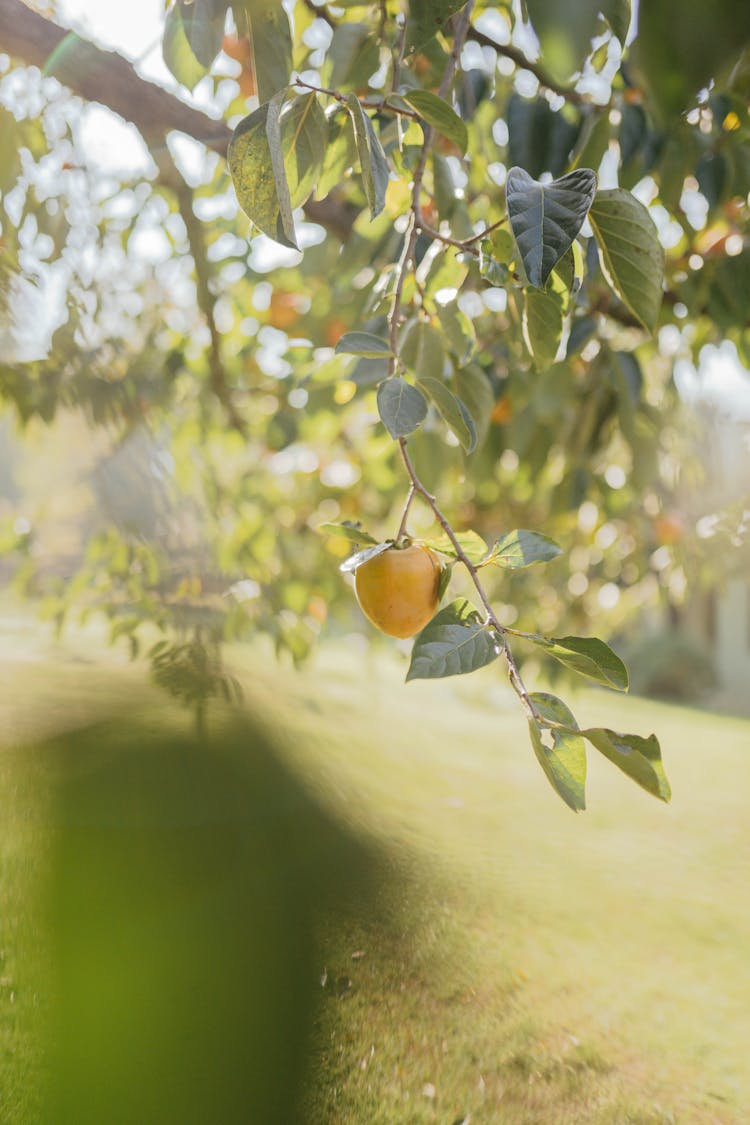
(103, 76)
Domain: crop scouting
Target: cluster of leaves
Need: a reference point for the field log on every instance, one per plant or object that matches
(470, 287)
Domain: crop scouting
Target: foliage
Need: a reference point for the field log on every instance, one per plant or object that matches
(500, 259)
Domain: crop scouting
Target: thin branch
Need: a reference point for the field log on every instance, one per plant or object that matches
(514, 675)
(206, 303)
(405, 515)
(543, 76)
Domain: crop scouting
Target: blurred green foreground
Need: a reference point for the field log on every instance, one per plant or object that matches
(376, 914)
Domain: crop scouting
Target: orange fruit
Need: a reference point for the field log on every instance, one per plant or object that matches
(398, 589)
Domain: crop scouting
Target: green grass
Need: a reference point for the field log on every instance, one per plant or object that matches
(523, 964)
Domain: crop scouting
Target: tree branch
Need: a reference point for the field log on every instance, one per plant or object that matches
(104, 77)
(519, 58)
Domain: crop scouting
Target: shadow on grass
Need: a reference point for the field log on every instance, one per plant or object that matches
(187, 890)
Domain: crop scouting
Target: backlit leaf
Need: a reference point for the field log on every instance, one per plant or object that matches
(440, 115)
(631, 256)
(375, 171)
(522, 548)
(455, 642)
(256, 163)
(542, 326)
(639, 758)
(587, 655)
(472, 545)
(564, 762)
(450, 410)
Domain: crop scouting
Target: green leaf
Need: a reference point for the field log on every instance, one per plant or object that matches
(440, 115)
(631, 256)
(177, 53)
(363, 343)
(587, 655)
(421, 349)
(639, 758)
(522, 548)
(427, 18)
(566, 27)
(304, 136)
(459, 331)
(375, 171)
(546, 218)
(203, 21)
(340, 153)
(271, 37)
(542, 326)
(455, 642)
(564, 763)
(10, 142)
(363, 556)
(401, 406)
(256, 164)
(472, 545)
(452, 411)
(446, 570)
(474, 389)
(348, 530)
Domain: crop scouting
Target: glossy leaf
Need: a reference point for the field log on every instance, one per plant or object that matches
(440, 115)
(363, 343)
(452, 411)
(631, 256)
(564, 762)
(545, 218)
(372, 159)
(639, 758)
(256, 163)
(455, 642)
(401, 406)
(522, 548)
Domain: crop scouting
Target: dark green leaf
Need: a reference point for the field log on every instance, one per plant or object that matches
(455, 642)
(546, 218)
(472, 545)
(587, 655)
(639, 758)
(522, 548)
(539, 139)
(564, 762)
(401, 407)
(363, 343)
(363, 556)
(351, 531)
(440, 115)
(449, 408)
(542, 326)
(256, 163)
(375, 171)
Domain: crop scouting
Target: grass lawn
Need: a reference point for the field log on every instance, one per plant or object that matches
(524, 965)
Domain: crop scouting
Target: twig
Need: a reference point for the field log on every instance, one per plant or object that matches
(520, 59)
(206, 303)
(321, 12)
(416, 487)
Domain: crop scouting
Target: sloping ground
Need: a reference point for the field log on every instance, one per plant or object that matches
(521, 964)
